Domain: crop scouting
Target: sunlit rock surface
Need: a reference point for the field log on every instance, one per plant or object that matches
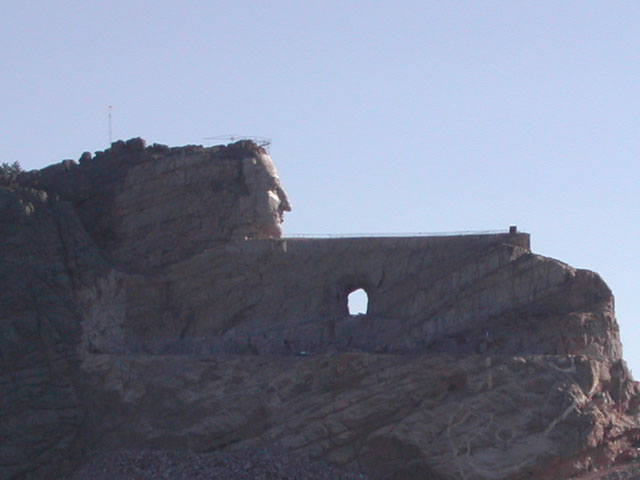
(149, 301)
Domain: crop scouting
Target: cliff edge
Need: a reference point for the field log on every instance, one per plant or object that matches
(149, 302)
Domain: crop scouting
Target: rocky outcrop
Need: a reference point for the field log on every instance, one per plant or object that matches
(46, 257)
(150, 302)
(396, 416)
(435, 294)
(150, 206)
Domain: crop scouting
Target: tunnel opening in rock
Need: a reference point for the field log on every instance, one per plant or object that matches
(358, 302)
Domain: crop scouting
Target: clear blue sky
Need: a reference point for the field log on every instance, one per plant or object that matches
(406, 116)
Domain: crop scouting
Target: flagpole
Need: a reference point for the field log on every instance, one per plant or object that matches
(110, 139)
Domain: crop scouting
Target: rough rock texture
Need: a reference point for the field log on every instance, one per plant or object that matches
(433, 294)
(150, 308)
(46, 257)
(150, 206)
(396, 416)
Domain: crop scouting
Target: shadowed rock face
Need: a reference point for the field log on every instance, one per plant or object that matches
(46, 257)
(149, 301)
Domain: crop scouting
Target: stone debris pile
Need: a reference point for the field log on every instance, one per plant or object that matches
(175, 465)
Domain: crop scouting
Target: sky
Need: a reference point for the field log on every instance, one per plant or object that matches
(384, 117)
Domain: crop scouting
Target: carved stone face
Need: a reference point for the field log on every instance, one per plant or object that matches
(269, 201)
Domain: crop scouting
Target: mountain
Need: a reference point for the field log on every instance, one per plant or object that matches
(151, 311)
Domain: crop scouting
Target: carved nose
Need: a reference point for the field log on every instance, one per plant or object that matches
(285, 206)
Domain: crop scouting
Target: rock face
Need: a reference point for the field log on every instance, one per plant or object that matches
(46, 258)
(148, 207)
(149, 302)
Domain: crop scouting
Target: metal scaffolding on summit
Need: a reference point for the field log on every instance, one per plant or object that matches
(262, 142)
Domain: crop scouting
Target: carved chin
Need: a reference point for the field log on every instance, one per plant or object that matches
(273, 230)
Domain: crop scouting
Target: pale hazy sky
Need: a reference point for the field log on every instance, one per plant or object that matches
(404, 116)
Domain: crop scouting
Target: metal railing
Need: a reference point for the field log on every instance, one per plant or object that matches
(400, 234)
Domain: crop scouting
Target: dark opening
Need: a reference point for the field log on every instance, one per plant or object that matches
(358, 302)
